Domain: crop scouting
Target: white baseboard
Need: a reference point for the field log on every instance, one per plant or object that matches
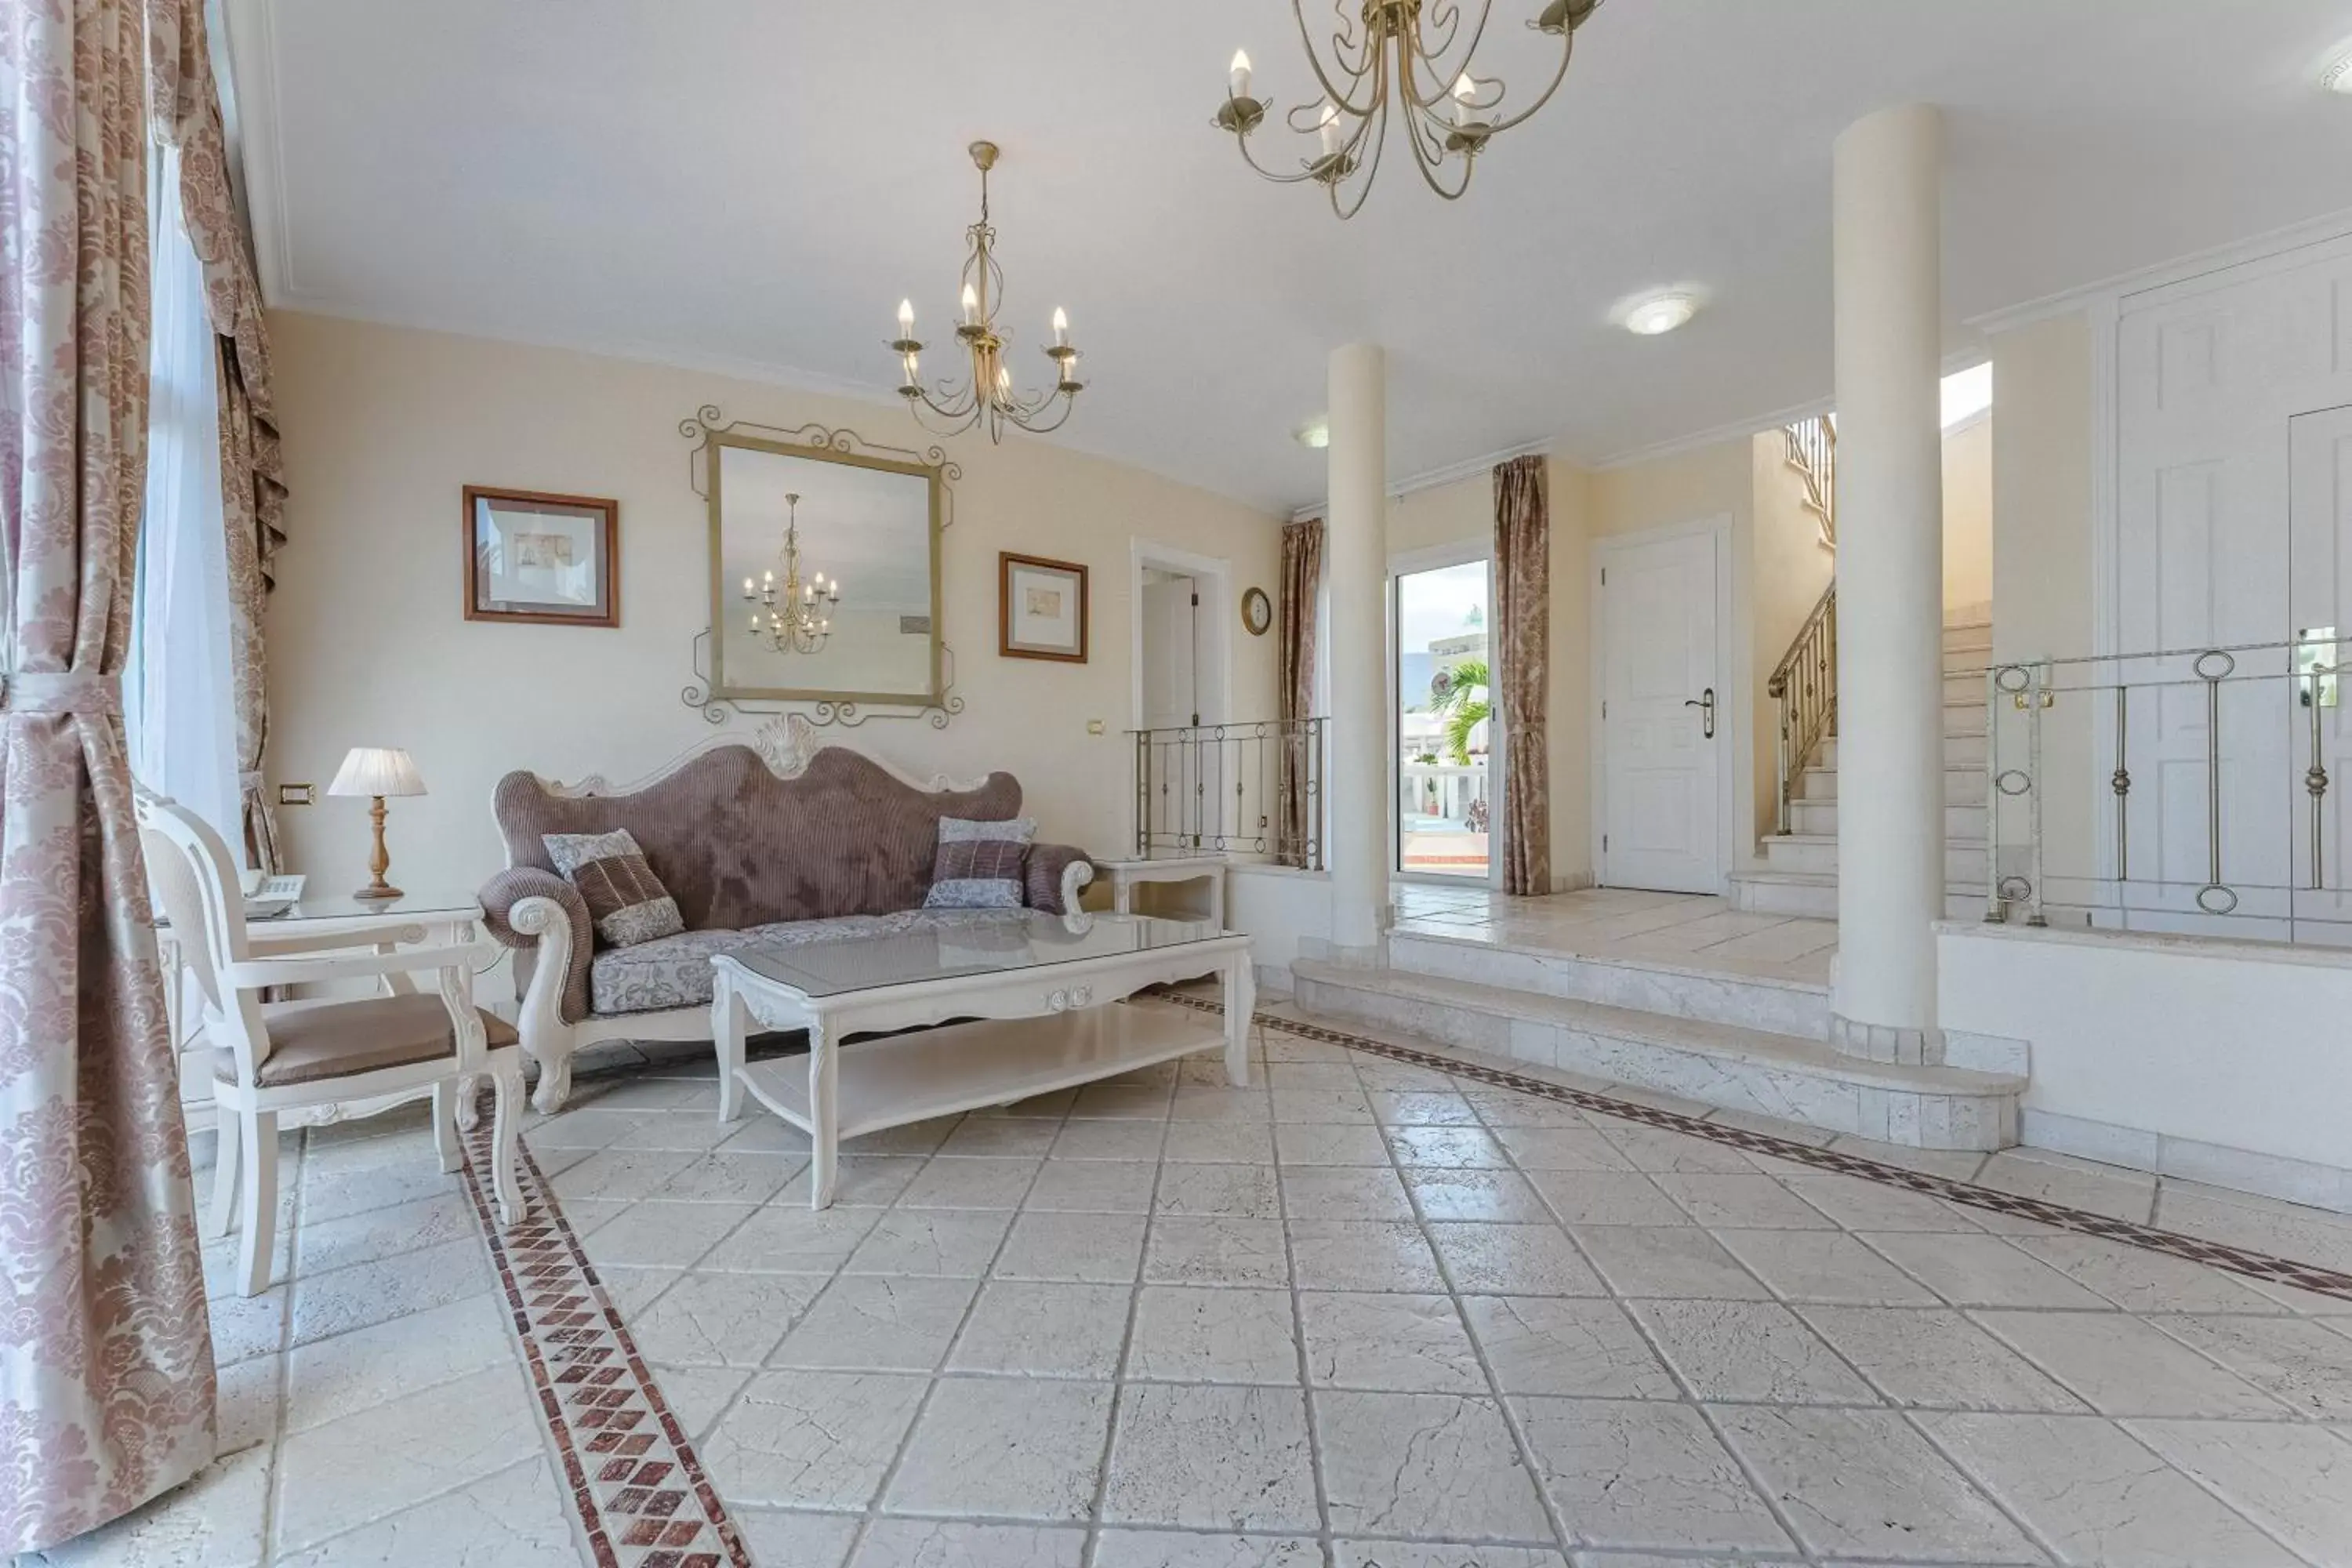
(2215, 1164)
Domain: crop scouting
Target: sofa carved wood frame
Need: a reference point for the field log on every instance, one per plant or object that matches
(543, 928)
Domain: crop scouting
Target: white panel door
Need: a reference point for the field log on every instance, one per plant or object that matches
(2210, 379)
(1661, 696)
(1171, 688)
(2319, 487)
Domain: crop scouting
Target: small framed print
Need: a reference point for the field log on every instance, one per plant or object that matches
(540, 559)
(1041, 608)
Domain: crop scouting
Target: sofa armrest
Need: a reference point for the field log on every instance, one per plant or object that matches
(1055, 874)
(545, 921)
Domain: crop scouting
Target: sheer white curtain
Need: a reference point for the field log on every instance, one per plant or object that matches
(180, 708)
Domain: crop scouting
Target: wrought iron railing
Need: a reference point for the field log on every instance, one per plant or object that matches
(1812, 452)
(1804, 684)
(2196, 789)
(1251, 789)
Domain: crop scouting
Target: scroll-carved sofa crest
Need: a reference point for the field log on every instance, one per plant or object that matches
(777, 843)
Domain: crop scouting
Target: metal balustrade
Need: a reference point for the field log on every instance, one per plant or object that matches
(1252, 789)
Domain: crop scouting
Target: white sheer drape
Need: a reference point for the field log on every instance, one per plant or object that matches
(180, 707)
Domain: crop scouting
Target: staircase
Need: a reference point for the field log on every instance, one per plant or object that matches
(1800, 872)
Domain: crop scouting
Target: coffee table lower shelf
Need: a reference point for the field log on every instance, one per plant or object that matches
(885, 1083)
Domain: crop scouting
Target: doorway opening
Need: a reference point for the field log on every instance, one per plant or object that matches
(1447, 730)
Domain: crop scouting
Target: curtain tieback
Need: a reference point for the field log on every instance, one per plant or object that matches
(252, 781)
(70, 692)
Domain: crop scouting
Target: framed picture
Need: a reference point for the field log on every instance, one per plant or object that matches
(545, 560)
(1041, 608)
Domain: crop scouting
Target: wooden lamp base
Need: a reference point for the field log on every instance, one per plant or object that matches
(379, 858)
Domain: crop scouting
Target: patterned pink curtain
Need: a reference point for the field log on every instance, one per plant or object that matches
(106, 1370)
(1523, 642)
(1301, 801)
(184, 111)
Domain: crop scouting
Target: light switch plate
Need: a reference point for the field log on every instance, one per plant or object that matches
(1094, 726)
(297, 795)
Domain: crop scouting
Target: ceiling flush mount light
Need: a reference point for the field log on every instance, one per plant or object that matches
(1316, 433)
(796, 620)
(990, 397)
(2337, 78)
(1386, 56)
(1660, 313)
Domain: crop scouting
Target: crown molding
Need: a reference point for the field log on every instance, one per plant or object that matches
(2318, 230)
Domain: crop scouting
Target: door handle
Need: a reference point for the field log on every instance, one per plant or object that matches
(1705, 703)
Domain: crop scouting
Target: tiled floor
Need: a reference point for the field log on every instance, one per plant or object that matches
(1690, 930)
(1359, 1314)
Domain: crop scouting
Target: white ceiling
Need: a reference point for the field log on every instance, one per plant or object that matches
(752, 186)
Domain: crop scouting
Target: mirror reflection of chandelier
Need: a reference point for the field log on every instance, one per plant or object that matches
(990, 397)
(796, 621)
(1388, 54)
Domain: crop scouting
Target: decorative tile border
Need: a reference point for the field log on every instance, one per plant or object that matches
(641, 1496)
(2219, 1254)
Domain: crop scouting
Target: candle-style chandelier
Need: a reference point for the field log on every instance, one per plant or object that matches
(990, 397)
(1385, 53)
(796, 621)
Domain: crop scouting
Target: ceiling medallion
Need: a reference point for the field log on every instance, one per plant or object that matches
(989, 398)
(797, 624)
(1422, 66)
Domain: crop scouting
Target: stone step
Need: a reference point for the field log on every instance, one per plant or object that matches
(1964, 750)
(1746, 1070)
(1814, 894)
(1964, 859)
(1683, 990)
(1962, 786)
(1822, 817)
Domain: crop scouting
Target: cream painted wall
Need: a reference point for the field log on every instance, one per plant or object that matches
(368, 644)
(1968, 517)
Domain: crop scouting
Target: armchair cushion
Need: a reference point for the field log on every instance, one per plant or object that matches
(320, 1039)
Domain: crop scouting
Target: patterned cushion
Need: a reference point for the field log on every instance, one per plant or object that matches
(674, 971)
(624, 898)
(979, 865)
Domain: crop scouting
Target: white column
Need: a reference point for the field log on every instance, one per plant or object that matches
(1885, 206)
(1355, 567)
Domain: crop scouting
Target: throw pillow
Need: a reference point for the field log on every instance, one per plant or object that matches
(979, 865)
(625, 899)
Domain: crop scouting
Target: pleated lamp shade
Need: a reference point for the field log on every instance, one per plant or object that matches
(377, 769)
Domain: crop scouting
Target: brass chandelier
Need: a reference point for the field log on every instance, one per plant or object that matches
(989, 398)
(1385, 54)
(796, 620)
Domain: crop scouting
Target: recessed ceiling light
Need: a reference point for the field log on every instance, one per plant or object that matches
(1660, 313)
(1315, 433)
(2337, 78)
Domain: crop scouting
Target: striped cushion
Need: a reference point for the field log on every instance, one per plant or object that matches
(979, 864)
(625, 901)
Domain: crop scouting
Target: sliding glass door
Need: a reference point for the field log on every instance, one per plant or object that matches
(1446, 729)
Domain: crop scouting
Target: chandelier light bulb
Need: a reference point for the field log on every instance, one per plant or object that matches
(1465, 89)
(1061, 329)
(1237, 77)
(971, 304)
(1328, 128)
(905, 318)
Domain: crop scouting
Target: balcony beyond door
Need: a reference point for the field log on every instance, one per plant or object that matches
(1446, 730)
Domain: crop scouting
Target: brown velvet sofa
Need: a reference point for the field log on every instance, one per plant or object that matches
(773, 844)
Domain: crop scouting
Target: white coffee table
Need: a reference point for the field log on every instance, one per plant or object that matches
(1042, 1002)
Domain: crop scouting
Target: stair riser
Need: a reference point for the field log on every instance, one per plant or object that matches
(1962, 786)
(1822, 858)
(1818, 902)
(1718, 998)
(1822, 817)
(1919, 1120)
(1963, 751)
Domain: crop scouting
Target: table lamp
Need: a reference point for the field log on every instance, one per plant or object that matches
(377, 771)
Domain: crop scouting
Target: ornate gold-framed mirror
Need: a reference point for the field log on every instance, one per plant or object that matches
(824, 573)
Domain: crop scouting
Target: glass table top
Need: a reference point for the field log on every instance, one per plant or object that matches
(1033, 940)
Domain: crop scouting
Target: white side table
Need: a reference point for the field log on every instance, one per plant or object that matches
(1126, 876)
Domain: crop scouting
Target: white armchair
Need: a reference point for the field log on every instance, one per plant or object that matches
(272, 1057)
